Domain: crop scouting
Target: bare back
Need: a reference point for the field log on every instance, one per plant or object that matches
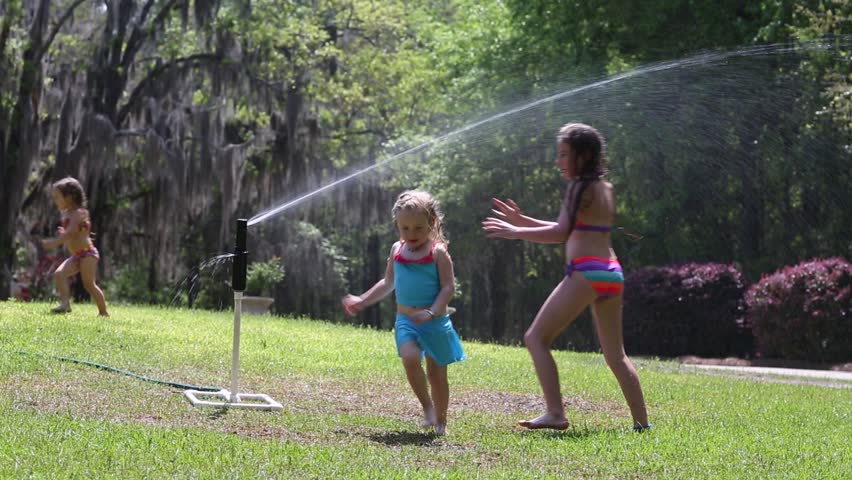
(597, 207)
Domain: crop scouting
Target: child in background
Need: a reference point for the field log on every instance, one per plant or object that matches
(593, 275)
(420, 270)
(70, 199)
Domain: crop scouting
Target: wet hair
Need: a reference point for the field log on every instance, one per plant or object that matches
(70, 187)
(589, 146)
(422, 202)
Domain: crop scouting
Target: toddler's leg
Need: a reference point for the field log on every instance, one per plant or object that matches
(411, 359)
(88, 272)
(66, 270)
(440, 393)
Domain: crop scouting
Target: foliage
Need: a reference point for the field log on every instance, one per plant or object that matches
(688, 309)
(41, 284)
(264, 277)
(180, 117)
(130, 284)
(804, 312)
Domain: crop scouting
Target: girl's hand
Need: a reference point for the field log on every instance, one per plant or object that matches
(421, 316)
(352, 304)
(60, 231)
(509, 211)
(497, 228)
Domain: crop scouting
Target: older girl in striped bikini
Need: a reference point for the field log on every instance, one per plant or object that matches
(593, 275)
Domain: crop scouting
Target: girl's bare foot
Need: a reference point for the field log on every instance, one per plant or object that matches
(429, 417)
(555, 422)
(61, 308)
(440, 429)
(103, 314)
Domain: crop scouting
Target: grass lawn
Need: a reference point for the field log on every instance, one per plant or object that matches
(348, 412)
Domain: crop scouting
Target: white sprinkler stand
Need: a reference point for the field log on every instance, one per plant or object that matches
(230, 399)
(225, 398)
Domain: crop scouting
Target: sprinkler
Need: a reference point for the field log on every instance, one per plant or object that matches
(231, 398)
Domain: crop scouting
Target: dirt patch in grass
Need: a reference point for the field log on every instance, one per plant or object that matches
(519, 403)
(324, 411)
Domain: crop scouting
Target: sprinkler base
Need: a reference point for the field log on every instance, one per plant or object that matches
(256, 401)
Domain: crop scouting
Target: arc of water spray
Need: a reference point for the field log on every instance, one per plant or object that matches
(701, 59)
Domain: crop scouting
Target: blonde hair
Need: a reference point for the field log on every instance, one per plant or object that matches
(70, 187)
(422, 202)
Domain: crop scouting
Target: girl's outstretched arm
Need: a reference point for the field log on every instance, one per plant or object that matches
(549, 232)
(510, 212)
(354, 304)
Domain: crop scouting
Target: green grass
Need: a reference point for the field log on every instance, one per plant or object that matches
(348, 412)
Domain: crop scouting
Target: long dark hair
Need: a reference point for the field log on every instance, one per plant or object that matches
(588, 144)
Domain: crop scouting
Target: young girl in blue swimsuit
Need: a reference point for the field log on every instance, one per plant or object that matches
(593, 275)
(420, 270)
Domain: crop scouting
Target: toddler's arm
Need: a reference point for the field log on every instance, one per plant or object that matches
(74, 219)
(447, 277)
(354, 304)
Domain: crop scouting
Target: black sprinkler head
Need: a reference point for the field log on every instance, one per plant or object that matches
(240, 257)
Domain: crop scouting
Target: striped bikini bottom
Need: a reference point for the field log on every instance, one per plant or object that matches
(89, 251)
(604, 274)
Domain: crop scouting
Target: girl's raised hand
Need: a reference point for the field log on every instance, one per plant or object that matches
(508, 211)
(497, 228)
(351, 304)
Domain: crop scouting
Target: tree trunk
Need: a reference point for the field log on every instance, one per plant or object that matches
(21, 144)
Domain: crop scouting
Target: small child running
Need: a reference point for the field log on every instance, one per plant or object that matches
(421, 271)
(70, 199)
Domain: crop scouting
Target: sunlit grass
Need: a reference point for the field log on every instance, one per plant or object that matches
(348, 412)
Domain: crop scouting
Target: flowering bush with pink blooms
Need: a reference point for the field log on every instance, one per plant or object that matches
(804, 312)
(689, 309)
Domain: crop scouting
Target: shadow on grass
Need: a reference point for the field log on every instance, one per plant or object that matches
(399, 438)
(572, 433)
(216, 413)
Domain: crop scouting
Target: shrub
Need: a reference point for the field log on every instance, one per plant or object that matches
(129, 284)
(804, 312)
(263, 277)
(694, 308)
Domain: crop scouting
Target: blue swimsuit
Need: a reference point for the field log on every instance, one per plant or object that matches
(417, 284)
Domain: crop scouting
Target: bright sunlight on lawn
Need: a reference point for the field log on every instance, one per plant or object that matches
(348, 412)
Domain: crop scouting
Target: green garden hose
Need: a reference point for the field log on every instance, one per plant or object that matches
(123, 372)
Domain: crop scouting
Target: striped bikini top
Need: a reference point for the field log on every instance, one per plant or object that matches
(591, 228)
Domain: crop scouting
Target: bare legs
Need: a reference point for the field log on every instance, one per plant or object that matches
(562, 307)
(608, 318)
(567, 300)
(87, 268)
(68, 269)
(434, 406)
